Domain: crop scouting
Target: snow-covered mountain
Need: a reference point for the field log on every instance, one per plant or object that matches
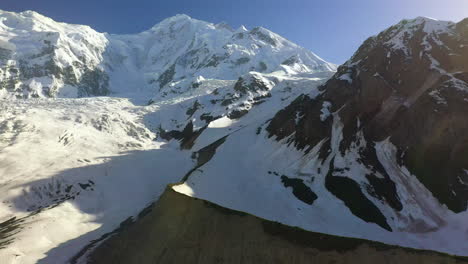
(377, 152)
(244, 119)
(44, 58)
(74, 166)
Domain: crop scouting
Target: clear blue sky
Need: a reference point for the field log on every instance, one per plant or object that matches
(333, 29)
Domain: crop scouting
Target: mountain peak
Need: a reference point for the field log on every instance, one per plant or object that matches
(427, 24)
(241, 29)
(224, 25)
(31, 13)
(261, 29)
(177, 19)
(398, 35)
(425, 19)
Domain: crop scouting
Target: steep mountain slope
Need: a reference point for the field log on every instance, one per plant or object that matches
(412, 70)
(376, 153)
(180, 229)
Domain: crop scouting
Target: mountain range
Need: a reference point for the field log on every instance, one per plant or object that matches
(107, 140)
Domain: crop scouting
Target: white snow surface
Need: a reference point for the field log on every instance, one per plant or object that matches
(105, 154)
(47, 145)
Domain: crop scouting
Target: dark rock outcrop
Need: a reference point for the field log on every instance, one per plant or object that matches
(408, 84)
(181, 229)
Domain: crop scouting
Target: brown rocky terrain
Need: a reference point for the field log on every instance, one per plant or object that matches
(181, 229)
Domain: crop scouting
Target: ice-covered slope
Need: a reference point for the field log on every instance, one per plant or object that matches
(43, 58)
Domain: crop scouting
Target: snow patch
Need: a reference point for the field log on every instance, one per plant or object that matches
(439, 99)
(325, 110)
(346, 77)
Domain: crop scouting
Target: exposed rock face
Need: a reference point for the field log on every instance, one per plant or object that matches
(405, 88)
(181, 229)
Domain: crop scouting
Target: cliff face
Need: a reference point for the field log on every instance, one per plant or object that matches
(408, 85)
(181, 229)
